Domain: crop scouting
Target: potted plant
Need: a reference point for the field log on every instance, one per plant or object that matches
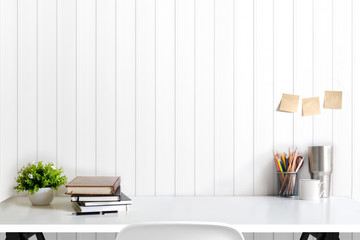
(40, 180)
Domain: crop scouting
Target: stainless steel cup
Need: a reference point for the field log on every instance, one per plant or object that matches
(321, 165)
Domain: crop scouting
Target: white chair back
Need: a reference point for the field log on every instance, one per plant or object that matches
(178, 231)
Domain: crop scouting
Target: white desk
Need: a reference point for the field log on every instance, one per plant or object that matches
(247, 214)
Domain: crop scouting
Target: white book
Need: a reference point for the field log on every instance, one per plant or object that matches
(116, 203)
(119, 208)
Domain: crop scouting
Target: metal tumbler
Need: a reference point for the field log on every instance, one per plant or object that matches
(321, 165)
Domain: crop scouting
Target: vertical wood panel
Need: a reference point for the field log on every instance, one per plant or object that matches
(263, 236)
(323, 129)
(303, 76)
(185, 98)
(86, 236)
(67, 88)
(297, 236)
(105, 236)
(322, 68)
(105, 87)
(165, 97)
(244, 97)
(125, 125)
(27, 82)
(345, 236)
(263, 93)
(86, 149)
(356, 236)
(8, 96)
(283, 72)
(356, 97)
(66, 236)
(47, 79)
(145, 101)
(50, 236)
(342, 81)
(283, 236)
(249, 236)
(204, 97)
(224, 101)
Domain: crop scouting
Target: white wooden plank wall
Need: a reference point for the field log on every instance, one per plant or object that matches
(126, 94)
(67, 86)
(185, 98)
(355, 60)
(323, 77)
(243, 97)
(177, 97)
(283, 65)
(342, 79)
(8, 96)
(86, 48)
(46, 80)
(224, 97)
(204, 98)
(145, 97)
(165, 98)
(263, 111)
(303, 75)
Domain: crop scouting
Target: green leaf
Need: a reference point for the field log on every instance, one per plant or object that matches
(36, 175)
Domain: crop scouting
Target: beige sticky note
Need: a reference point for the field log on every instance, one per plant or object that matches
(333, 99)
(289, 103)
(310, 106)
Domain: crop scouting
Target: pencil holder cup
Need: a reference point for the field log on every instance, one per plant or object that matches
(288, 184)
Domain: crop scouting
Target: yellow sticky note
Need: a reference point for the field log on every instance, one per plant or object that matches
(310, 106)
(333, 99)
(289, 103)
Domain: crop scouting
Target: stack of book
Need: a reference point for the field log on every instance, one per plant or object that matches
(97, 195)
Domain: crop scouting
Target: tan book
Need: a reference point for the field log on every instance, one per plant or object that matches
(83, 185)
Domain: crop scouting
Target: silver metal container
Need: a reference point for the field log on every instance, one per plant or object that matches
(321, 165)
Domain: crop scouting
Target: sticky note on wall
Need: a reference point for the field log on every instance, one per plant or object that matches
(333, 99)
(289, 103)
(310, 106)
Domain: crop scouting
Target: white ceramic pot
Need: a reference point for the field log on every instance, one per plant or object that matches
(42, 197)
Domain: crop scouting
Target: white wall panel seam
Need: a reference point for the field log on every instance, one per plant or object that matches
(37, 80)
(195, 98)
(18, 81)
(273, 90)
(58, 135)
(332, 85)
(313, 67)
(17, 84)
(353, 165)
(96, 88)
(135, 97)
(1, 115)
(76, 87)
(234, 102)
(175, 96)
(352, 103)
(116, 87)
(254, 99)
(214, 97)
(293, 67)
(155, 105)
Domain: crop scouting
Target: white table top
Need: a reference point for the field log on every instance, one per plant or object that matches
(247, 214)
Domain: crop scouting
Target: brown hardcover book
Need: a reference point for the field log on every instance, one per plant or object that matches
(83, 185)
